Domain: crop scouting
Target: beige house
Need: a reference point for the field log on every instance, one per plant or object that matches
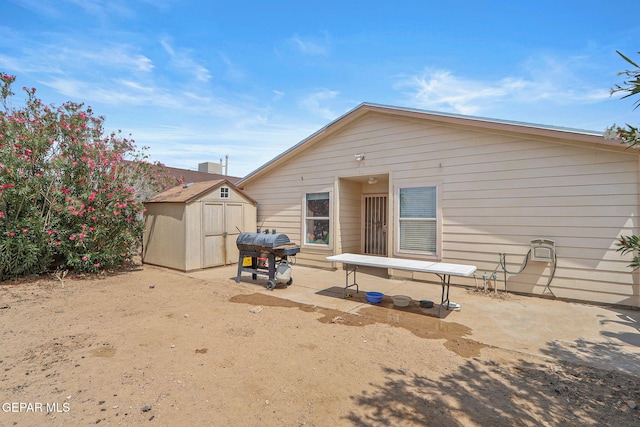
(196, 225)
(412, 184)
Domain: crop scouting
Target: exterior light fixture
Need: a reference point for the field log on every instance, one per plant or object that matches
(372, 180)
(360, 157)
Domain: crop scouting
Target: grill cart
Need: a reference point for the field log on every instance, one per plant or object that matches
(275, 247)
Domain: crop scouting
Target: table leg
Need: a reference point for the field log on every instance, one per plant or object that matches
(346, 283)
(445, 280)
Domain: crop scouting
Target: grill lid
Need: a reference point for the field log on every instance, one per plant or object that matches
(255, 241)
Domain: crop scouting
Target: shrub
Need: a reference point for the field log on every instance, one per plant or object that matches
(67, 190)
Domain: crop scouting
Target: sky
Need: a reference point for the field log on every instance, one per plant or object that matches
(196, 81)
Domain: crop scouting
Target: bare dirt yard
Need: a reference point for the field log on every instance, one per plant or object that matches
(150, 346)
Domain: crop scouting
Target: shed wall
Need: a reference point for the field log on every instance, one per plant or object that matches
(164, 235)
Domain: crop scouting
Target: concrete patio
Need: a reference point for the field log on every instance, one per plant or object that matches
(597, 335)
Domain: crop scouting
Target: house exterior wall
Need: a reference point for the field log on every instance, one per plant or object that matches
(498, 190)
(348, 227)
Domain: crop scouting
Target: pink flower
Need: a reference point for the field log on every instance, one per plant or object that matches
(96, 264)
(1, 214)
(116, 213)
(11, 233)
(26, 230)
(49, 232)
(84, 258)
(72, 237)
(57, 243)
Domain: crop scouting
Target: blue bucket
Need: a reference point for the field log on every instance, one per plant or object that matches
(374, 297)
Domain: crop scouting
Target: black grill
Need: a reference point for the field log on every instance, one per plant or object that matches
(278, 244)
(274, 247)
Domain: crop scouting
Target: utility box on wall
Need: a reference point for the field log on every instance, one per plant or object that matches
(543, 250)
(195, 226)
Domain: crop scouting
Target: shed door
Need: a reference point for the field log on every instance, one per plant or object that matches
(233, 220)
(219, 228)
(214, 235)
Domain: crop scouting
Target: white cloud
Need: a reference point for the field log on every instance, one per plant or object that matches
(249, 144)
(550, 82)
(442, 90)
(103, 9)
(317, 101)
(277, 95)
(232, 72)
(181, 60)
(111, 56)
(42, 7)
(311, 47)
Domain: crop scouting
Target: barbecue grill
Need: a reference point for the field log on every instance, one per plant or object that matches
(275, 247)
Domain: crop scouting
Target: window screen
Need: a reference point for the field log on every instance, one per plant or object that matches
(418, 220)
(317, 218)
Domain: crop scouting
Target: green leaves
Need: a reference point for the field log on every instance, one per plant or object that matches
(629, 135)
(632, 85)
(630, 244)
(66, 191)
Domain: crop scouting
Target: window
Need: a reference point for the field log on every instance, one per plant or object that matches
(317, 218)
(224, 192)
(418, 222)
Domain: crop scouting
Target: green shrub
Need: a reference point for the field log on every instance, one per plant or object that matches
(68, 196)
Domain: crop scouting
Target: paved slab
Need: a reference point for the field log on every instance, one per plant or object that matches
(598, 335)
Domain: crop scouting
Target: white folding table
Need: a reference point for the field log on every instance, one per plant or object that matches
(443, 270)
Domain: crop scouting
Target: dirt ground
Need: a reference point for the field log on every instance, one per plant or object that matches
(151, 346)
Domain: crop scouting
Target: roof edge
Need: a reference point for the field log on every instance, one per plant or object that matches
(595, 137)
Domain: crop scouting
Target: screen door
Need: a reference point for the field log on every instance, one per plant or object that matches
(375, 225)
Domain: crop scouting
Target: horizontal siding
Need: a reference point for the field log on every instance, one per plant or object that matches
(164, 235)
(348, 227)
(499, 191)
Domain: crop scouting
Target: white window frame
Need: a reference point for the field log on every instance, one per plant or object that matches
(224, 192)
(305, 232)
(437, 220)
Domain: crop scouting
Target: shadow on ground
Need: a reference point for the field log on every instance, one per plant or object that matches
(529, 395)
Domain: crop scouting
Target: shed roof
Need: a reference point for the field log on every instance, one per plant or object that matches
(190, 192)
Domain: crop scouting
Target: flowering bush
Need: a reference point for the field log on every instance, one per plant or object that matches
(68, 196)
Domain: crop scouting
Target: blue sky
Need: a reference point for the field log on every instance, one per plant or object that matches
(198, 80)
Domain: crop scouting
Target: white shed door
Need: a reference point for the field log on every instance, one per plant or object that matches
(214, 234)
(233, 221)
(219, 222)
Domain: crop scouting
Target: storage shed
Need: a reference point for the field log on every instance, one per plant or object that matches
(195, 226)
